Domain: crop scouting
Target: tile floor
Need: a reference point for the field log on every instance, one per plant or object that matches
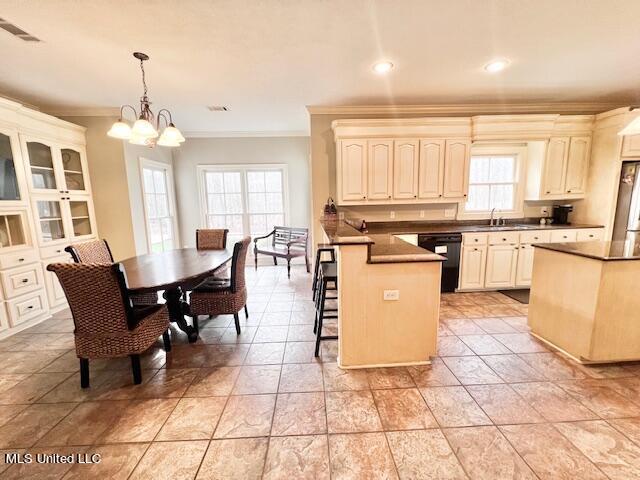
(494, 404)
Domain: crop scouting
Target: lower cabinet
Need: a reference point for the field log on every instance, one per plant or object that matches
(54, 289)
(474, 260)
(502, 262)
(524, 269)
(4, 321)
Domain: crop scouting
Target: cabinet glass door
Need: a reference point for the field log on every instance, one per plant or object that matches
(12, 233)
(80, 218)
(50, 220)
(9, 189)
(72, 168)
(43, 175)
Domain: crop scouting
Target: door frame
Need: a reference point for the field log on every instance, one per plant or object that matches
(171, 193)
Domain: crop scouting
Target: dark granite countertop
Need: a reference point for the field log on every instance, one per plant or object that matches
(461, 227)
(383, 248)
(604, 251)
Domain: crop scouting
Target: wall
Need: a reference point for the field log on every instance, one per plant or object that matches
(292, 151)
(132, 155)
(109, 185)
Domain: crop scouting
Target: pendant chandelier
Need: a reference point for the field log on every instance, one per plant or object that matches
(145, 129)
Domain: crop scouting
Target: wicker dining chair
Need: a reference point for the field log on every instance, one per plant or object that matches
(106, 323)
(211, 238)
(221, 296)
(98, 251)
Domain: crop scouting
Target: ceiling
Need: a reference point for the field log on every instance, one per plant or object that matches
(267, 59)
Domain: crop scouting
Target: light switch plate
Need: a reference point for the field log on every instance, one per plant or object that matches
(392, 214)
(392, 295)
(449, 212)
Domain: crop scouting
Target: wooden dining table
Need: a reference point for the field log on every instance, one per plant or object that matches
(174, 271)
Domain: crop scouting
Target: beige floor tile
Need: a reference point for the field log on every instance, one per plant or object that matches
(403, 409)
(193, 419)
(613, 453)
(518, 323)
(521, 342)
(8, 412)
(215, 381)
(301, 457)
(512, 369)
(224, 355)
(454, 407)
(299, 352)
(116, 462)
(338, 379)
(234, 459)
(552, 402)
(484, 345)
(230, 336)
(503, 405)
(553, 366)
(265, 354)
(192, 356)
(299, 414)
(271, 334)
(435, 375)
(257, 379)
(494, 325)
(452, 346)
(275, 319)
(471, 370)
(170, 461)
(301, 333)
(424, 454)
(549, 454)
(628, 426)
(32, 388)
(27, 362)
(301, 377)
(394, 377)
(26, 428)
(361, 455)
(352, 411)
(463, 326)
(599, 397)
(486, 455)
(139, 421)
(167, 383)
(246, 416)
(9, 380)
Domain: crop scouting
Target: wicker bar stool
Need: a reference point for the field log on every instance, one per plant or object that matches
(328, 274)
(220, 296)
(98, 251)
(106, 323)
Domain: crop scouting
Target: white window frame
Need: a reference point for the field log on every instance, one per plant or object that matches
(168, 169)
(243, 169)
(520, 152)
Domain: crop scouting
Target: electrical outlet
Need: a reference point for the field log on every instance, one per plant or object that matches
(421, 213)
(449, 212)
(392, 214)
(341, 215)
(544, 211)
(391, 295)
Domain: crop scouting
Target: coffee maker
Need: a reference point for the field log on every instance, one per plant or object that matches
(561, 214)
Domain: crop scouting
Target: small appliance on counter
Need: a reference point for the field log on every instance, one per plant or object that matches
(561, 214)
(330, 212)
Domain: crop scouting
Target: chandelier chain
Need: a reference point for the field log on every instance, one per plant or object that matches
(144, 83)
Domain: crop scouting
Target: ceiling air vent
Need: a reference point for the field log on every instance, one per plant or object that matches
(18, 32)
(218, 108)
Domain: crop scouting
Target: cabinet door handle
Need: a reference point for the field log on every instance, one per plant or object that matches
(30, 307)
(504, 239)
(25, 280)
(21, 259)
(548, 192)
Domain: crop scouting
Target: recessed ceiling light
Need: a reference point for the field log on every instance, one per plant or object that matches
(382, 67)
(496, 65)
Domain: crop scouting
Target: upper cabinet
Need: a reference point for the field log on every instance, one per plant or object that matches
(431, 168)
(405, 169)
(11, 180)
(631, 146)
(53, 167)
(380, 169)
(456, 171)
(577, 165)
(352, 170)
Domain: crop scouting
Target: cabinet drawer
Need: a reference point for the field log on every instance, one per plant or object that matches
(11, 260)
(504, 238)
(559, 236)
(53, 251)
(538, 236)
(26, 307)
(18, 281)
(474, 238)
(590, 235)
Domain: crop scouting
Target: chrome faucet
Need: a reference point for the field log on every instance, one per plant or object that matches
(493, 210)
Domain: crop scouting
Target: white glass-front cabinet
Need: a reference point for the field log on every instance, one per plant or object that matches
(65, 218)
(12, 192)
(52, 167)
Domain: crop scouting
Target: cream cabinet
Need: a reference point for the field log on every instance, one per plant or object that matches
(431, 168)
(631, 146)
(456, 171)
(502, 261)
(352, 170)
(380, 169)
(555, 166)
(472, 267)
(405, 169)
(524, 269)
(577, 165)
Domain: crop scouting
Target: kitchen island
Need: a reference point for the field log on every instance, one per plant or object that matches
(377, 332)
(584, 302)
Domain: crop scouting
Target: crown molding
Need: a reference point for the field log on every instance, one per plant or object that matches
(465, 109)
(83, 112)
(245, 134)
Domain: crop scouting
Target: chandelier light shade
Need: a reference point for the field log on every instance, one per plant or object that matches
(145, 130)
(633, 128)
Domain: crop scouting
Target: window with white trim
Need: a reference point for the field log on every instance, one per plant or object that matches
(159, 206)
(493, 183)
(246, 199)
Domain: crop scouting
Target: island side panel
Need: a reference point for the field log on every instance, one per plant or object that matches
(375, 332)
(563, 300)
